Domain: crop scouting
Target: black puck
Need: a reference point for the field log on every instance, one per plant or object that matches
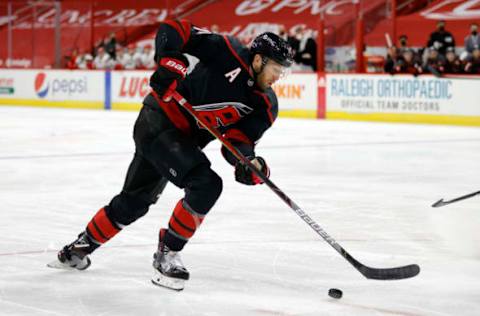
(335, 293)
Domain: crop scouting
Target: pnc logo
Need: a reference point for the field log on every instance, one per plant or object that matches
(41, 85)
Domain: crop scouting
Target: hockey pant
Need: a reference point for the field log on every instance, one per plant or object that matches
(163, 153)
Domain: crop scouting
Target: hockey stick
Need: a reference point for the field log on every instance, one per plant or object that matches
(441, 202)
(368, 272)
(388, 40)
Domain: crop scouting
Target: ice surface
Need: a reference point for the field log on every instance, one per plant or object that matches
(369, 185)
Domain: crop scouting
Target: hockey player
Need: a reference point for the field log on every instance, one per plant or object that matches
(231, 88)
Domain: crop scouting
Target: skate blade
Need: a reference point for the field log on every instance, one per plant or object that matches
(60, 265)
(168, 282)
(57, 264)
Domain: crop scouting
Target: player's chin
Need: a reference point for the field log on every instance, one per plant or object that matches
(267, 85)
(263, 87)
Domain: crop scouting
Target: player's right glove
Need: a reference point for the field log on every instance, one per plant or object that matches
(172, 68)
(244, 175)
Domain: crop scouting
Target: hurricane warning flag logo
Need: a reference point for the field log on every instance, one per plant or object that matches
(41, 85)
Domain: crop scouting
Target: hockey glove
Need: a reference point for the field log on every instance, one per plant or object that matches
(244, 175)
(172, 68)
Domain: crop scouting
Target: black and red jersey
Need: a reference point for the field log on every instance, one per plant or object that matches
(220, 87)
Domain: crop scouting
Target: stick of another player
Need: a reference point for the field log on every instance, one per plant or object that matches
(388, 40)
(368, 272)
(441, 202)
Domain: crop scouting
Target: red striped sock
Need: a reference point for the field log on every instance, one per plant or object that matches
(101, 228)
(184, 220)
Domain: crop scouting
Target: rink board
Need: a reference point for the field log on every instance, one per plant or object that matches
(403, 98)
(125, 90)
(297, 93)
(53, 88)
(400, 98)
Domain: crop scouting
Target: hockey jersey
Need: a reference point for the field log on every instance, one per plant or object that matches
(220, 87)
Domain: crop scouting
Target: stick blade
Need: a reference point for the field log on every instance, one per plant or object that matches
(439, 203)
(398, 273)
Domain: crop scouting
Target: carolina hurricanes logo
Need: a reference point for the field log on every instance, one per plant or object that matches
(222, 114)
(41, 85)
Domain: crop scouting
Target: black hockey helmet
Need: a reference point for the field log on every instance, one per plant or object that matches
(274, 47)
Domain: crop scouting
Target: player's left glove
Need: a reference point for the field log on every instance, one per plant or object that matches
(172, 68)
(244, 175)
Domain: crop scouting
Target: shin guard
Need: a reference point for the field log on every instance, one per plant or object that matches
(100, 228)
(182, 225)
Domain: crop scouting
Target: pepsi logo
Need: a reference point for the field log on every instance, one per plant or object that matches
(56, 86)
(41, 85)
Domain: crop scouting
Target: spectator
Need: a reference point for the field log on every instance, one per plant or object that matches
(473, 62)
(214, 28)
(85, 61)
(304, 47)
(120, 58)
(392, 59)
(308, 50)
(282, 32)
(407, 64)
(295, 40)
(441, 39)
(452, 65)
(403, 40)
(246, 40)
(110, 45)
(72, 62)
(146, 58)
(132, 57)
(102, 60)
(98, 44)
(434, 62)
(472, 41)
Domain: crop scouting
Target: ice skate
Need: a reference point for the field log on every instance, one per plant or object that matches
(73, 256)
(168, 266)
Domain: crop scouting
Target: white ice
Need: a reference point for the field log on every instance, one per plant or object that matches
(369, 185)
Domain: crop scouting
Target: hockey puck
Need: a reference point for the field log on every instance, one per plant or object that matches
(335, 293)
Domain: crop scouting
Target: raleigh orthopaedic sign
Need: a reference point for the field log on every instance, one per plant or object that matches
(401, 95)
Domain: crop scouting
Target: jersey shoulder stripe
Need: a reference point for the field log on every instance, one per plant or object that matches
(232, 47)
(271, 103)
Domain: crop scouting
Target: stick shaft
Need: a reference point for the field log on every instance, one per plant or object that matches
(371, 273)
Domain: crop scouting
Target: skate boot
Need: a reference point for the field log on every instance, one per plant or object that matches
(169, 269)
(75, 255)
